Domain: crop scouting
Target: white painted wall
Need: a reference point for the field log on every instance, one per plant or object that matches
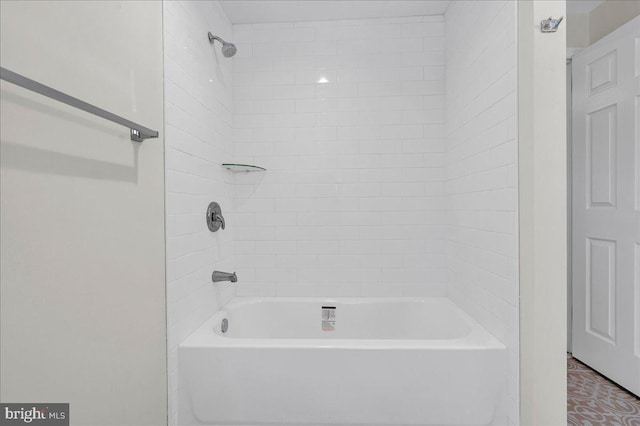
(482, 171)
(577, 30)
(352, 202)
(542, 177)
(82, 288)
(609, 16)
(198, 108)
(586, 27)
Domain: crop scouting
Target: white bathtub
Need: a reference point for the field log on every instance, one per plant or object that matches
(404, 361)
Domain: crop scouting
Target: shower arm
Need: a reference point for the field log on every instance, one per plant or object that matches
(212, 38)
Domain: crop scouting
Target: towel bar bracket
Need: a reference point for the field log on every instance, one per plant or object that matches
(139, 136)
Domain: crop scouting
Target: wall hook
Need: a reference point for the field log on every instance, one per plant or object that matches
(550, 25)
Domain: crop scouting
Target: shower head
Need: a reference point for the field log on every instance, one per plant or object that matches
(228, 49)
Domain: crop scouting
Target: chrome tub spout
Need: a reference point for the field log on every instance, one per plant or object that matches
(218, 276)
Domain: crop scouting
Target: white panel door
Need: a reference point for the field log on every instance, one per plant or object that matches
(606, 206)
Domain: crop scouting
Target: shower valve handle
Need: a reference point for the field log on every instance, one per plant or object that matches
(215, 220)
(218, 218)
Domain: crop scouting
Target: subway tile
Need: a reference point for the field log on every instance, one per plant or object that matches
(401, 160)
(427, 87)
(255, 233)
(271, 106)
(256, 290)
(250, 64)
(296, 261)
(337, 261)
(293, 63)
(298, 34)
(381, 290)
(252, 35)
(313, 76)
(428, 58)
(402, 189)
(315, 162)
(400, 74)
(421, 290)
(341, 290)
(380, 89)
(254, 120)
(350, 32)
(273, 134)
(335, 118)
(423, 29)
(336, 90)
(408, 131)
(242, 93)
(358, 132)
(380, 175)
(294, 91)
(273, 50)
(403, 44)
(278, 247)
(385, 146)
(307, 119)
(316, 105)
(257, 260)
(376, 31)
(315, 133)
(264, 78)
(374, 118)
(430, 174)
(317, 48)
(360, 247)
(296, 290)
(357, 47)
(423, 117)
(335, 62)
(359, 190)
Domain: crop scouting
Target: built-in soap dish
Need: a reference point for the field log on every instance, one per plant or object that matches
(239, 168)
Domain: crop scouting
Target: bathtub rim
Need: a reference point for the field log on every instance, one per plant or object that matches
(205, 336)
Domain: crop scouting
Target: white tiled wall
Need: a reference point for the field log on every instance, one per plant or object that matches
(198, 115)
(348, 118)
(481, 157)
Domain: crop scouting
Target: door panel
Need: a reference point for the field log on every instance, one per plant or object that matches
(601, 285)
(606, 201)
(601, 162)
(601, 73)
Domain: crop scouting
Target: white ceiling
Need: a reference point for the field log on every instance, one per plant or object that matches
(582, 6)
(256, 11)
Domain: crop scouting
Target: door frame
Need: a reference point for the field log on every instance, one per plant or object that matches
(569, 204)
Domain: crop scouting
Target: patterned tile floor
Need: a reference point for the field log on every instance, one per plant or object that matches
(593, 400)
